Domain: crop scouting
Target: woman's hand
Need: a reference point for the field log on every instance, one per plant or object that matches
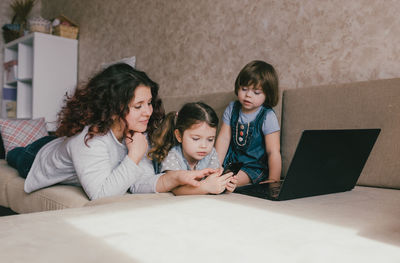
(192, 178)
(137, 146)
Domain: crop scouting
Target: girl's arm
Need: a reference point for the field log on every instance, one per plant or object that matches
(172, 179)
(213, 184)
(273, 149)
(222, 143)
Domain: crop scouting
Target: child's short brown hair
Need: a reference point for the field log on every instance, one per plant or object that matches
(258, 73)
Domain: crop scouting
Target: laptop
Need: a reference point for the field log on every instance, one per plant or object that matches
(325, 162)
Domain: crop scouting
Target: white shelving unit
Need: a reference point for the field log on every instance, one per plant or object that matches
(46, 70)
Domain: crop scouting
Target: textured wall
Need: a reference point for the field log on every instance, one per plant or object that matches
(199, 46)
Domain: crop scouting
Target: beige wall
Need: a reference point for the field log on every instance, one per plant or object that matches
(199, 46)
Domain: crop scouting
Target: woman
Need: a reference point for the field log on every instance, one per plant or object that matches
(102, 139)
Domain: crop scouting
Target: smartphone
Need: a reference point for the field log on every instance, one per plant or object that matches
(232, 167)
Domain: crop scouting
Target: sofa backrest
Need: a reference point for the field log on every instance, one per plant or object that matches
(218, 101)
(371, 104)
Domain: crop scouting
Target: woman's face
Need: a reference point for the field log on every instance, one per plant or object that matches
(140, 109)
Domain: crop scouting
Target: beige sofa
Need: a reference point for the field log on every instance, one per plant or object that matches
(373, 104)
(361, 225)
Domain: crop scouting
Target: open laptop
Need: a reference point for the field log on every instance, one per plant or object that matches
(325, 161)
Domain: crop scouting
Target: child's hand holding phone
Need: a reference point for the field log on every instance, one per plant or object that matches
(216, 183)
(232, 167)
(231, 184)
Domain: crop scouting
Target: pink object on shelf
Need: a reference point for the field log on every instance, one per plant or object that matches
(11, 70)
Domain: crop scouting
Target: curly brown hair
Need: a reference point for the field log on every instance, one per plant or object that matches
(107, 95)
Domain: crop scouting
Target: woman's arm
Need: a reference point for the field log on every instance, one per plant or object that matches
(213, 184)
(103, 168)
(222, 143)
(272, 145)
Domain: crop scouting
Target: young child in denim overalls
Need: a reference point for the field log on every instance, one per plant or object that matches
(250, 130)
(185, 141)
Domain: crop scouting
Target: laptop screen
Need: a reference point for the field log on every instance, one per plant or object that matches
(325, 161)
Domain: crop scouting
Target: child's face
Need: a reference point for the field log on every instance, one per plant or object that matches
(197, 141)
(251, 98)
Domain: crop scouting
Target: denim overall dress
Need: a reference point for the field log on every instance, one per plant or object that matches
(248, 145)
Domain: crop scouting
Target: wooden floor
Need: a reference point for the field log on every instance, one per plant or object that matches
(4, 211)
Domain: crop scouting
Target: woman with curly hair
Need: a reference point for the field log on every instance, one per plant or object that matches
(102, 140)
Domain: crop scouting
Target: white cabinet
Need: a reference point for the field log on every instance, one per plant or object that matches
(41, 69)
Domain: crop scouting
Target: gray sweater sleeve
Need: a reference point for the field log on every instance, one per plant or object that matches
(97, 172)
(148, 182)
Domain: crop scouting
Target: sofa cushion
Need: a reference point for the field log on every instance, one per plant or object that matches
(372, 104)
(7, 173)
(131, 61)
(21, 132)
(51, 198)
(357, 226)
(2, 150)
(218, 101)
(127, 198)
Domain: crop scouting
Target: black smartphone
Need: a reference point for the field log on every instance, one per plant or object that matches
(232, 167)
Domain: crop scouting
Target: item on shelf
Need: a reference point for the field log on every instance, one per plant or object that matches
(11, 109)
(39, 24)
(10, 102)
(64, 27)
(10, 32)
(21, 10)
(11, 70)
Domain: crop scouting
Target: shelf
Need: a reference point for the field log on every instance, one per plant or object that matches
(25, 61)
(24, 100)
(27, 40)
(27, 80)
(12, 83)
(46, 70)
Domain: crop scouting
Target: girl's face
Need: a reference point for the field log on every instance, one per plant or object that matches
(140, 109)
(197, 141)
(251, 98)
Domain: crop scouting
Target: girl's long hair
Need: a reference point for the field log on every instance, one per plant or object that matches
(163, 138)
(105, 97)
